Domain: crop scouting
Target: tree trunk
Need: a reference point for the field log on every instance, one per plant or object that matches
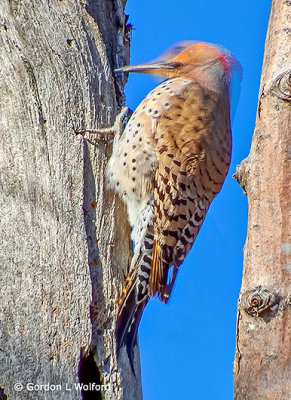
(262, 362)
(65, 239)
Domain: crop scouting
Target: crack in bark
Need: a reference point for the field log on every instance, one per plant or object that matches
(2, 394)
(236, 363)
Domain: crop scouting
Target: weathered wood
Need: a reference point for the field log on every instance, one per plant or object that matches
(64, 237)
(262, 367)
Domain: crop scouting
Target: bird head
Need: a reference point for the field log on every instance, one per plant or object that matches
(185, 58)
(210, 65)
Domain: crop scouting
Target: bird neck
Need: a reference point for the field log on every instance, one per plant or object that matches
(213, 77)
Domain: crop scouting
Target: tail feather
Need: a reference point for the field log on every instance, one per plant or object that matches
(127, 325)
(135, 298)
(169, 287)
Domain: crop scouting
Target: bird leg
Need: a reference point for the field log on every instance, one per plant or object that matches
(113, 131)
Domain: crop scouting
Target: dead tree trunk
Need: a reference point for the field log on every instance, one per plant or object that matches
(262, 367)
(64, 236)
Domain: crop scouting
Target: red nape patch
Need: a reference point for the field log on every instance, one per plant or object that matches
(225, 63)
(229, 63)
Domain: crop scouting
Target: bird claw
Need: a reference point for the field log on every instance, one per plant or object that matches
(114, 131)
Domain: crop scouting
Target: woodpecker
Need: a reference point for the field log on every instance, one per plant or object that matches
(168, 165)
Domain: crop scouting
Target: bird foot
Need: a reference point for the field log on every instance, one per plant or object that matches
(108, 134)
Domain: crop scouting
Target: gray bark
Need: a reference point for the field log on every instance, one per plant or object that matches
(262, 367)
(64, 237)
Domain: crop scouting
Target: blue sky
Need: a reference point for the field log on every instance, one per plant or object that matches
(187, 347)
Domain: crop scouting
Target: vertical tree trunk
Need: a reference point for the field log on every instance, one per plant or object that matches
(262, 367)
(64, 237)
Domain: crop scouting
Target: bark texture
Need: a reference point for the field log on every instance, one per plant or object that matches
(262, 366)
(64, 237)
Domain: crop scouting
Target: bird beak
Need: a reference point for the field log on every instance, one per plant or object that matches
(162, 68)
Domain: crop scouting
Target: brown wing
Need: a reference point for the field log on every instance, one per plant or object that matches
(193, 153)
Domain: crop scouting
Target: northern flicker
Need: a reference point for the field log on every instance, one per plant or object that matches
(168, 165)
